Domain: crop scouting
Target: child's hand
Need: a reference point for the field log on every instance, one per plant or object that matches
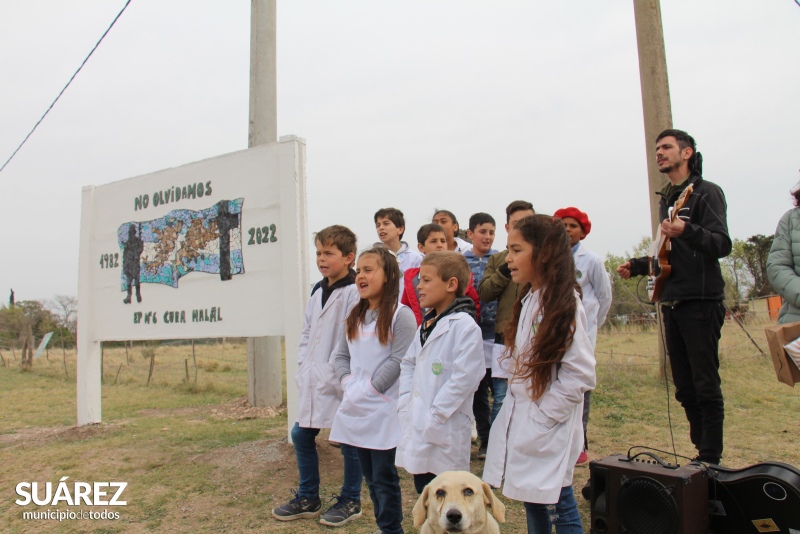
(436, 431)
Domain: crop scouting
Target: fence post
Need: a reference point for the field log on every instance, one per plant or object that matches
(195, 364)
(152, 363)
(118, 370)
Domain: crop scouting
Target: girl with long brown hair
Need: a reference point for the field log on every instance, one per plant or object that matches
(538, 434)
(377, 333)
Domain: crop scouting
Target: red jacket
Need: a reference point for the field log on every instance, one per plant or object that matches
(411, 299)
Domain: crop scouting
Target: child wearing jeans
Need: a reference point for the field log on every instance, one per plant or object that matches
(481, 232)
(537, 435)
(377, 334)
(496, 285)
(439, 373)
(319, 390)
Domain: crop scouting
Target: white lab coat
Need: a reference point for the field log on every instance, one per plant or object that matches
(319, 390)
(367, 418)
(437, 383)
(596, 287)
(533, 445)
(500, 366)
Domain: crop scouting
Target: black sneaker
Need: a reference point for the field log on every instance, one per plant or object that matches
(341, 513)
(482, 453)
(298, 508)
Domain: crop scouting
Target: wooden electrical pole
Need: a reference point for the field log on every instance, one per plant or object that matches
(657, 114)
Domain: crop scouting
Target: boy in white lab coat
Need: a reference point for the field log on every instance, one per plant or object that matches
(595, 289)
(319, 391)
(440, 373)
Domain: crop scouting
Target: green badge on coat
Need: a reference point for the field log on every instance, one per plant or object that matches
(437, 367)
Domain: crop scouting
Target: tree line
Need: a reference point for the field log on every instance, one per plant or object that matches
(24, 322)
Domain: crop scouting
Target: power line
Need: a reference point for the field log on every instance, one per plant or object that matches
(65, 87)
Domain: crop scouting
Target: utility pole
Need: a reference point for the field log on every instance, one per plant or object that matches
(657, 114)
(264, 374)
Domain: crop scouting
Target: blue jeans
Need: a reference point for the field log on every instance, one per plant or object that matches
(305, 448)
(499, 390)
(384, 488)
(564, 515)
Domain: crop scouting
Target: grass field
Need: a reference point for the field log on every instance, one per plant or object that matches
(197, 458)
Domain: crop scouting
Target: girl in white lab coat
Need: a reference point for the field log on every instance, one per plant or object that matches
(537, 436)
(378, 332)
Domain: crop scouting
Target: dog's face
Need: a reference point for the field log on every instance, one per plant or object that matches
(457, 501)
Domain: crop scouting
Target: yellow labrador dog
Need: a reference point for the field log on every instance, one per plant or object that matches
(458, 501)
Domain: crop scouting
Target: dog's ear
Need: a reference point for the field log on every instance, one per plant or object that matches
(490, 499)
(420, 511)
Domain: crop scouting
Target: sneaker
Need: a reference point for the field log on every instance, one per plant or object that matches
(341, 513)
(582, 458)
(298, 508)
(481, 453)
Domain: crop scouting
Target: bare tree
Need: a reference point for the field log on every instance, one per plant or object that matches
(66, 307)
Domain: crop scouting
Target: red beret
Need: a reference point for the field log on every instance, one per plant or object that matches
(578, 215)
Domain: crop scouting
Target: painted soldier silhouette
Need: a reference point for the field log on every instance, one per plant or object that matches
(225, 223)
(131, 262)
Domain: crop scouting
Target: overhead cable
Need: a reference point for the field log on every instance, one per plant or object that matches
(65, 87)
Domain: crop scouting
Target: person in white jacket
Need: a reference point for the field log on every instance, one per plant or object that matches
(595, 288)
(319, 391)
(440, 373)
(390, 224)
(536, 438)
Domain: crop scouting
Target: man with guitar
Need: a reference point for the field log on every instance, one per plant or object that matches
(686, 272)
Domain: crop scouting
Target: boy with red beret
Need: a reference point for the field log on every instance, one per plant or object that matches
(595, 285)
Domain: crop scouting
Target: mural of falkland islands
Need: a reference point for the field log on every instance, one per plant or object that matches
(163, 250)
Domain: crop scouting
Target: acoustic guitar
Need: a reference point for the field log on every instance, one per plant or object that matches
(660, 268)
(761, 498)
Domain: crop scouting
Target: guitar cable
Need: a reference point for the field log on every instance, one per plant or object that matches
(663, 340)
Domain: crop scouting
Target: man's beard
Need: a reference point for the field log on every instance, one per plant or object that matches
(668, 169)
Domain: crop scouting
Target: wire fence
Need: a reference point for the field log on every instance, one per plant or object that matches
(221, 364)
(203, 364)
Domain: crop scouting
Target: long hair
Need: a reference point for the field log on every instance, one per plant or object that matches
(389, 298)
(555, 271)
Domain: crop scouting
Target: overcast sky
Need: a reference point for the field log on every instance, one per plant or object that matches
(458, 104)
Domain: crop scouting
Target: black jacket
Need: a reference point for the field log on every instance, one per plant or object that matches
(695, 254)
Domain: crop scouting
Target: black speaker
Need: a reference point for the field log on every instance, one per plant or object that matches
(644, 495)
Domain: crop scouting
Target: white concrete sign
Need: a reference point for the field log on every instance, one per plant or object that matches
(215, 248)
